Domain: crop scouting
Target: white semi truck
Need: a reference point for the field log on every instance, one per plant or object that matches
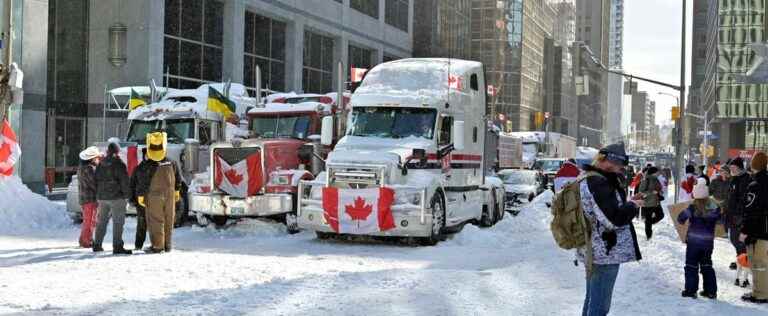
(417, 128)
(191, 130)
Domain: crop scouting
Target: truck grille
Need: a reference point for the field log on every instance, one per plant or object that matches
(355, 178)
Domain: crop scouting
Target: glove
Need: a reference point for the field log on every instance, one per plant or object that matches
(176, 196)
(140, 199)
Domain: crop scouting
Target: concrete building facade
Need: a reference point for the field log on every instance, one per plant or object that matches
(644, 130)
(615, 90)
(699, 41)
(441, 28)
(593, 20)
(560, 94)
(183, 43)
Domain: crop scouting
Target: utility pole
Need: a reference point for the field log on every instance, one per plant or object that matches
(7, 49)
(680, 124)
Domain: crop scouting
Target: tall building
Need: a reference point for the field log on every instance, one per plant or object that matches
(699, 41)
(643, 121)
(708, 89)
(441, 28)
(560, 96)
(742, 109)
(184, 43)
(593, 20)
(615, 107)
(509, 38)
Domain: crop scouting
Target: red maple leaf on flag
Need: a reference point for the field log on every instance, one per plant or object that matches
(359, 210)
(233, 177)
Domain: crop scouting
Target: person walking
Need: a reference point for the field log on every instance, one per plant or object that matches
(754, 229)
(613, 240)
(734, 211)
(650, 188)
(158, 186)
(111, 193)
(86, 184)
(141, 211)
(703, 214)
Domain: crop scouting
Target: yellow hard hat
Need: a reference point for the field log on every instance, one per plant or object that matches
(157, 146)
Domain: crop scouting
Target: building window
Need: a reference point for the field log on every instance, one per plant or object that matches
(367, 7)
(318, 63)
(360, 57)
(264, 47)
(193, 42)
(396, 14)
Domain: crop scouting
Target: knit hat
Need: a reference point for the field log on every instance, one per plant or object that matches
(690, 169)
(738, 162)
(615, 153)
(700, 190)
(759, 161)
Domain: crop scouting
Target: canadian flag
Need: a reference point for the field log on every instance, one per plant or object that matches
(242, 179)
(9, 149)
(357, 74)
(358, 211)
(454, 82)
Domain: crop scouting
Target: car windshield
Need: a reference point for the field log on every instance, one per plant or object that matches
(296, 126)
(392, 122)
(518, 177)
(405, 76)
(177, 130)
(548, 165)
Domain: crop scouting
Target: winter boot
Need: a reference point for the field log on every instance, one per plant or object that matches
(97, 248)
(152, 250)
(737, 283)
(711, 296)
(745, 284)
(121, 251)
(689, 294)
(732, 266)
(749, 298)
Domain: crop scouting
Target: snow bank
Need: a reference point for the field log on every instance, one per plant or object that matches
(22, 210)
(247, 227)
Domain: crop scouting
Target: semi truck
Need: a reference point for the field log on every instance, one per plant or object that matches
(191, 129)
(412, 160)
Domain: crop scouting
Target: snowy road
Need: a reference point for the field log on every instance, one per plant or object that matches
(253, 268)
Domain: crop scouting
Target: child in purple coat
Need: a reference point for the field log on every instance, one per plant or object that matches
(703, 214)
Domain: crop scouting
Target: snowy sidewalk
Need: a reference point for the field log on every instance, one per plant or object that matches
(253, 268)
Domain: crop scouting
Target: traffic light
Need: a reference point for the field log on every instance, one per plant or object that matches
(675, 113)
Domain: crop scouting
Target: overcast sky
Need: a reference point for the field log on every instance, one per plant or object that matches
(652, 47)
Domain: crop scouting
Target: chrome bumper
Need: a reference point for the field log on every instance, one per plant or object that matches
(410, 220)
(224, 205)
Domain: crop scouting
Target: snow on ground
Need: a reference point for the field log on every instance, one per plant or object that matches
(253, 268)
(22, 210)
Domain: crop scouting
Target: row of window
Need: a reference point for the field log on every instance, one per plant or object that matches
(395, 11)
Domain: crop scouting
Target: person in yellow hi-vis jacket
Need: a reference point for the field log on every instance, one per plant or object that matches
(157, 189)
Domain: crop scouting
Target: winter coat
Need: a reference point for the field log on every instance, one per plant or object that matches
(145, 171)
(86, 183)
(112, 179)
(701, 231)
(651, 186)
(613, 236)
(719, 189)
(755, 224)
(737, 200)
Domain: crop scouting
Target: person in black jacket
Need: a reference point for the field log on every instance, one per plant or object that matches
(86, 183)
(112, 192)
(613, 240)
(141, 218)
(754, 229)
(735, 208)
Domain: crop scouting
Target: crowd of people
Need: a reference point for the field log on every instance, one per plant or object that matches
(612, 195)
(105, 189)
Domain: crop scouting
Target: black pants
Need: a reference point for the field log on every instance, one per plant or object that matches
(141, 226)
(733, 235)
(652, 215)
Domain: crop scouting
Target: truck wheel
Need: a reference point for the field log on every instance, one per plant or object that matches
(489, 213)
(202, 220)
(291, 223)
(438, 221)
(323, 235)
(500, 209)
(219, 220)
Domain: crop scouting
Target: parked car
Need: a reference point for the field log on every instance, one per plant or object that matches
(520, 187)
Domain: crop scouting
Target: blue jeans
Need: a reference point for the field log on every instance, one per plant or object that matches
(600, 289)
(698, 258)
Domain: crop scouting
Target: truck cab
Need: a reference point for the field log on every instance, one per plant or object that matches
(417, 127)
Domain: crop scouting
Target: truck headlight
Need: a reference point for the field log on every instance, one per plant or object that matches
(280, 179)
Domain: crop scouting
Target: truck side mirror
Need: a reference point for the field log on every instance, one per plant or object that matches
(326, 131)
(458, 135)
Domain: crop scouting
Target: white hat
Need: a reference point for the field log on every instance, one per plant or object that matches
(700, 190)
(90, 153)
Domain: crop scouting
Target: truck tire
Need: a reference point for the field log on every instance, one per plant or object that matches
(489, 217)
(291, 223)
(500, 208)
(219, 220)
(438, 221)
(202, 220)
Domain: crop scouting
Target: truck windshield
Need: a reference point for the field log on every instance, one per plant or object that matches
(281, 126)
(177, 130)
(392, 122)
(405, 76)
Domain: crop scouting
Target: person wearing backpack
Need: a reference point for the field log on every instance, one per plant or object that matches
(703, 214)
(650, 188)
(606, 218)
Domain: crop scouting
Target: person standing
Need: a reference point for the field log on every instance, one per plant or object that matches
(567, 173)
(703, 214)
(719, 188)
(86, 184)
(141, 215)
(754, 229)
(613, 240)
(111, 193)
(158, 186)
(650, 188)
(735, 208)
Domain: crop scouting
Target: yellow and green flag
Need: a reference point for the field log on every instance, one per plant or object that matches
(135, 101)
(218, 103)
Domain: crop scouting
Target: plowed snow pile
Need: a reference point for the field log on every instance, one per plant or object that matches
(22, 210)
